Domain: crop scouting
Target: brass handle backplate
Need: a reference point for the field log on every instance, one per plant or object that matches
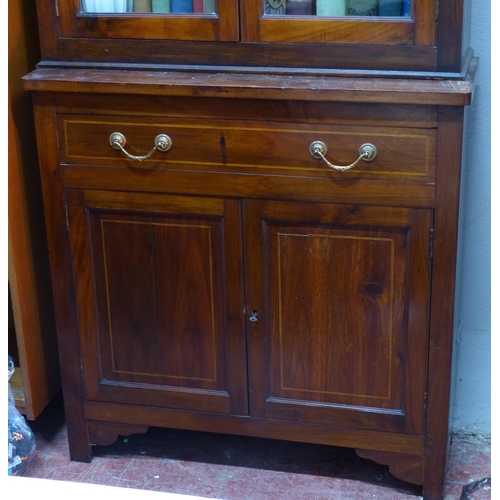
(318, 150)
(162, 143)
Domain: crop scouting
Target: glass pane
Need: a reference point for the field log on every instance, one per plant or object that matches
(150, 6)
(337, 8)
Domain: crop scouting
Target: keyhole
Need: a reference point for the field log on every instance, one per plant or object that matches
(253, 316)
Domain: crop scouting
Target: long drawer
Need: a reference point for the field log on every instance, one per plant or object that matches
(242, 146)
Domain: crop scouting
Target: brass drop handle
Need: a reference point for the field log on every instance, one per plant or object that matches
(162, 143)
(367, 152)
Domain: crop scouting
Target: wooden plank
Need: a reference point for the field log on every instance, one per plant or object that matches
(267, 56)
(442, 302)
(62, 281)
(28, 272)
(256, 427)
(311, 112)
(306, 188)
(450, 21)
(250, 86)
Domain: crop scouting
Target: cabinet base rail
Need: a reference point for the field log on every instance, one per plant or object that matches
(404, 454)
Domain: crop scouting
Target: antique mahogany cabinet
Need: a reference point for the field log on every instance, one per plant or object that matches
(251, 213)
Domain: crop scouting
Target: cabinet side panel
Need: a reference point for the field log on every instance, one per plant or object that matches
(48, 28)
(61, 271)
(443, 283)
(449, 43)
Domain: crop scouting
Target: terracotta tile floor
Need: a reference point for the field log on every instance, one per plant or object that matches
(240, 468)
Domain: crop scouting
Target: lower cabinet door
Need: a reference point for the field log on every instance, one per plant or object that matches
(337, 310)
(159, 293)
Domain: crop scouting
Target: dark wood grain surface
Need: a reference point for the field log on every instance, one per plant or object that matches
(251, 86)
(234, 283)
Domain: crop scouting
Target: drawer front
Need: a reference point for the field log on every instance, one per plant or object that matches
(232, 146)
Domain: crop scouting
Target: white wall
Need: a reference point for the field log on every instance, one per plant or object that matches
(472, 377)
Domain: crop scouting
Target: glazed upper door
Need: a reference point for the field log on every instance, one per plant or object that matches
(160, 298)
(397, 35)
(392, 22)
(338, 313)
(199, 20)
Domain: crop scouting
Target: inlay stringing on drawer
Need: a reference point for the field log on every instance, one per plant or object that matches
(241, 146)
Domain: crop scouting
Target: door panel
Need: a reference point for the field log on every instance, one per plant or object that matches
(415, 28)
(135, 320)
(164, 329)
(221, 25)
(334, 295)
(353, 288)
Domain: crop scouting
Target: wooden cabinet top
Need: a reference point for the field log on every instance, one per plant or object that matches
(256, 86)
